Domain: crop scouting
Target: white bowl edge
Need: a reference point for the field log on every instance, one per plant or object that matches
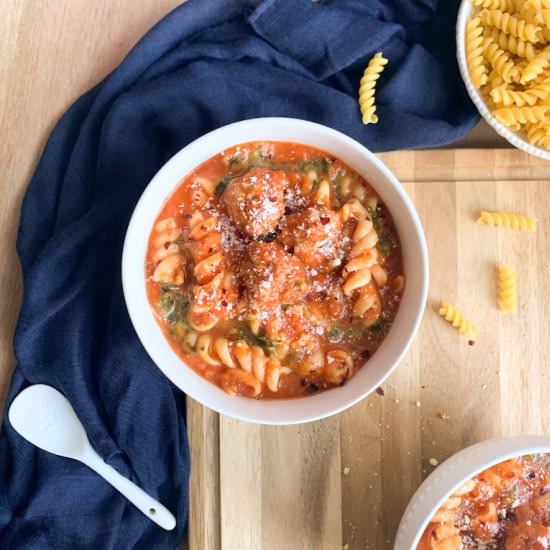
(455, 471)
(415, 257)
(464, 14)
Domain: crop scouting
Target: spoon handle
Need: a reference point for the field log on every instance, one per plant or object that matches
(146, 504)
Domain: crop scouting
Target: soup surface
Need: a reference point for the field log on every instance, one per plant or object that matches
(506, 507)
(274, 270)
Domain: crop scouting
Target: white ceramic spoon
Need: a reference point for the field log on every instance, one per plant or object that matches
(44, 417)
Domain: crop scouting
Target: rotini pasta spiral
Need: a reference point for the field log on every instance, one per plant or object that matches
(512, 116)
(212, 279)
(511, 44)
(538, 4)
(539, 134)
(169, 262)
(363, 267)
(500, 61)
(339, 366)
(536, 66)
(457, 320)
(511, 25)
(507, 288)
(507, 220)
(504, 5)
(474, 53)
(240, 354)
(203, 189)
(507, 97)
(367, 88)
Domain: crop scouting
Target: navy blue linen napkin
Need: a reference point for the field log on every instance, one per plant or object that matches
(208, 63)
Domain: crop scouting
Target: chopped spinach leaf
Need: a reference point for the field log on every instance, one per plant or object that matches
(244, 333)
(172, 306)
(372, 213)
(385, 245)
(237, 159)
(285, 307)
(222, 184)
(313, 164)
(315, 185)
(334, 335)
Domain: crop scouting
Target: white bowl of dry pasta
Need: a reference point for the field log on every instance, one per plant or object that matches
(495, 494)
(271, 260)
(503, 50)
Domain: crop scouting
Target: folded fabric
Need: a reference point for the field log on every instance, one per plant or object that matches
(209, 63)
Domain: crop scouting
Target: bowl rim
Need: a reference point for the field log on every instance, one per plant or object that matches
(464, 14)
(130, 288)
(443, 481)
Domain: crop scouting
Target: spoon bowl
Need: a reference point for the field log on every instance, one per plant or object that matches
(44, 417)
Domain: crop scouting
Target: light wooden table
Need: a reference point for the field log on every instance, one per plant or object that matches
(345, 480)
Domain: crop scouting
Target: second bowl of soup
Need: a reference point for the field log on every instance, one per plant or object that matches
(272, 260)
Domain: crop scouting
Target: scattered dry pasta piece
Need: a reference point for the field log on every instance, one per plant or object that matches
(457, 320)
(367, 88)
(510, 221)
(507, 288)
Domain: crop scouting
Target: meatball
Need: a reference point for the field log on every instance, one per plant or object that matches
(314, 236)
(272, 276)
(255, 200)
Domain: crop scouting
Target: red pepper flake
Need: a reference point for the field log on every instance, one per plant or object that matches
(380, 391)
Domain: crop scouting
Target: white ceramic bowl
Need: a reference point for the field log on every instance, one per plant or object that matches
(455, 471)
(465, 13)
(288, 411)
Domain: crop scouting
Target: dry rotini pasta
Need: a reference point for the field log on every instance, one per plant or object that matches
(538, 4)
(539, 134)
(507, 288)
(367, 88)
(507, 47)
(511, 44)
(500, 61)
(513, 116)
(457, 320)
(504, 5)
(507, 220)
(477, 66)
(511, 24)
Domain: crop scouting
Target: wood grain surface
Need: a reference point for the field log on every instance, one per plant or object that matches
(345, 480)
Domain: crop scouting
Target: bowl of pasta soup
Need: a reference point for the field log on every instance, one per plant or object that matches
(275, 270)
(494, 494)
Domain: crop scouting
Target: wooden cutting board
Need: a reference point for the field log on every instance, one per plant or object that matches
(344, 482)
